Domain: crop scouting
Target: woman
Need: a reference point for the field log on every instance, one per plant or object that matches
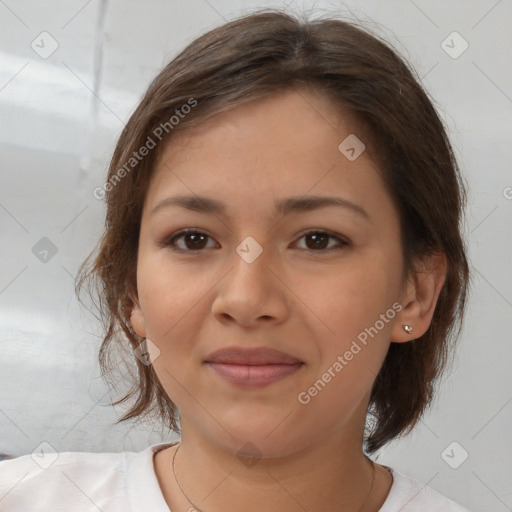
(282, 252)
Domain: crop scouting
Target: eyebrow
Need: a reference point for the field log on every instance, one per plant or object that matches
(284, 206)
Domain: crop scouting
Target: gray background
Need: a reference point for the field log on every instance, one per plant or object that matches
(60, 117)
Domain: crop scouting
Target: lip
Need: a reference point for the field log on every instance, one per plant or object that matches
(254, 376)
(253, 367)
(256, 356)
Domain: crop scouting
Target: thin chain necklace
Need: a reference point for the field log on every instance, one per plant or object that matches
(199, 510)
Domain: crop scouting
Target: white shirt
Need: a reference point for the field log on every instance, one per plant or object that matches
(122, 482)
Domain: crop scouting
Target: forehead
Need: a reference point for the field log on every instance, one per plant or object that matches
(280, 146)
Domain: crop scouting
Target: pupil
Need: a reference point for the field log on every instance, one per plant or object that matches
(317, 238)
(195, 237)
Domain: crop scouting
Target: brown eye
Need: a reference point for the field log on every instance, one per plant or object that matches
(192, 240)
(319, 241)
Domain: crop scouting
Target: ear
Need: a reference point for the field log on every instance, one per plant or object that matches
(137, 318)
(420, 296)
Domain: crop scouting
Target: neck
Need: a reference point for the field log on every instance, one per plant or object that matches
(213, 478)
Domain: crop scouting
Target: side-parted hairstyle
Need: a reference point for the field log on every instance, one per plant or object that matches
(252, 57)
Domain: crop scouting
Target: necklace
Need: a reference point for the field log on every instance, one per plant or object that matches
(196, 508)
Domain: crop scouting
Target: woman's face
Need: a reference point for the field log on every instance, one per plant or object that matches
(256, 276)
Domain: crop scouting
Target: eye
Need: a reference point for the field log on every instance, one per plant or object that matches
(194, 240)
(319, 238)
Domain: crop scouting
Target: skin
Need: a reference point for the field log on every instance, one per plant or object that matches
(291, 297)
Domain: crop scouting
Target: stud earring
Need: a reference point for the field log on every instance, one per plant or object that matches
(407, 328)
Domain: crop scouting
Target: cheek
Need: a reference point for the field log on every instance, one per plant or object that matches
(352, 338)
(168, 293)
(349, 298)
(175, 302)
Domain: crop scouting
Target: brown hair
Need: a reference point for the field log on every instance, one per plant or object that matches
(255, 56)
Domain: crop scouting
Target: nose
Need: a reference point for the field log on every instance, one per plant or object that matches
(251, 292)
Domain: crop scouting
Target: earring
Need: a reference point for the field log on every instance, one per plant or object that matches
(407, 328)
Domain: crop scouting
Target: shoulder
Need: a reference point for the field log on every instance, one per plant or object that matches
(82, 482)
(410, 495)
(43, 482)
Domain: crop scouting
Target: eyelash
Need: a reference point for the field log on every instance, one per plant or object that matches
(170, 241)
